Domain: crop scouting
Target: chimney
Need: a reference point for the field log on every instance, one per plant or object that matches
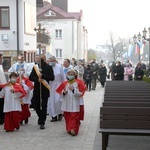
(63, 4)
(39, 3)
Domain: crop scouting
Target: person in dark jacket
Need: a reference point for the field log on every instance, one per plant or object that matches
(88, 76)
(94, 67)
(139, 73)
(102, 73)
(118, 71)
(44, 76)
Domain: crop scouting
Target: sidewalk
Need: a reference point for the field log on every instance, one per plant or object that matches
(54, 137)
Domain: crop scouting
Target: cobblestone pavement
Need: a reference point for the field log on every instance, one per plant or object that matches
(54, 137)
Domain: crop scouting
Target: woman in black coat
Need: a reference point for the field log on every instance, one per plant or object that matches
(102, 72)
(119, 71)
(88, 76)
(139, 73)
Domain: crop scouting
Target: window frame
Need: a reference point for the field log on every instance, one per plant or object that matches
(58, 53)
(3, 7)
(58, 32)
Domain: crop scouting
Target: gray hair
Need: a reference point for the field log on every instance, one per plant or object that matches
(52, 57)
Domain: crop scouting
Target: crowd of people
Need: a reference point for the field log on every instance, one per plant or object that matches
(126, 72)
(54, 89)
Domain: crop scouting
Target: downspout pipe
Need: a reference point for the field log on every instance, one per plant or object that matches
(17, 19)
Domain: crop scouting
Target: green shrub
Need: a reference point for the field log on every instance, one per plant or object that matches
(146, 79)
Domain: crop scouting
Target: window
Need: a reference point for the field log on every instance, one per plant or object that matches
(58, 33)
(6, 63)
(4, 18)
(50, 13)
(58, 53)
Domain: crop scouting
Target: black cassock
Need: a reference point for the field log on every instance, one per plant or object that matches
(48, 75)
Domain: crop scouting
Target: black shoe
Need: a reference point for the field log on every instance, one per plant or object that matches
(26, 121)
(60, 116)
(42, 126)
(54, 119)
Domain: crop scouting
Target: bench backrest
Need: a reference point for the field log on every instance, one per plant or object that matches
(125, 117)
(126, 104)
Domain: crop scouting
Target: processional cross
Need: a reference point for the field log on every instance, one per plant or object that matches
(40, 30)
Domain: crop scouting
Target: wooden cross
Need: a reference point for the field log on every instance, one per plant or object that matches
(39, 31)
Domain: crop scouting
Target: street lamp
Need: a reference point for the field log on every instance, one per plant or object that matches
(148, 39)
(135, 38)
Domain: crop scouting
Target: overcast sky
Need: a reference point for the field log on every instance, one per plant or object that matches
(123, 17)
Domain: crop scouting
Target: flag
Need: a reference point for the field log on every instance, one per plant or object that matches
(138, 48)
(130, 50)
(142, 49)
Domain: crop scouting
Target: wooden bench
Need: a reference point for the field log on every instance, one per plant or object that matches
(125, 83)
(123, 121)
(126, 96)
(126, 104)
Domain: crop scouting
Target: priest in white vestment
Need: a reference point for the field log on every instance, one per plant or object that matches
(54, 101)
(20, 64)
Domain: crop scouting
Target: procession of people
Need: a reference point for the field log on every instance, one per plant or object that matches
(54, 90)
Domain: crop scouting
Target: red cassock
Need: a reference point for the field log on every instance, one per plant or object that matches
(72, 121)
(72, 118)
(12, 121)
(25, 113)
(12, 118)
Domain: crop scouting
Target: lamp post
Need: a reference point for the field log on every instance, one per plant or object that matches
(148, 39)
(135, 38)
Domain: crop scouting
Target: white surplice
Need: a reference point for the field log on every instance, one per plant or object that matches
(28, 97)
(11, 100)
(54, 101)
(71, 101)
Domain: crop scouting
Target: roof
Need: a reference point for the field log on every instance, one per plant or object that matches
(61, 14)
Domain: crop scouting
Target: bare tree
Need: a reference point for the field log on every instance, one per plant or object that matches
(115, 45)
(112, 43)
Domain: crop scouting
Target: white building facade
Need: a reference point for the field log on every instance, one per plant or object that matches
(17, 35)
(66, 32)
